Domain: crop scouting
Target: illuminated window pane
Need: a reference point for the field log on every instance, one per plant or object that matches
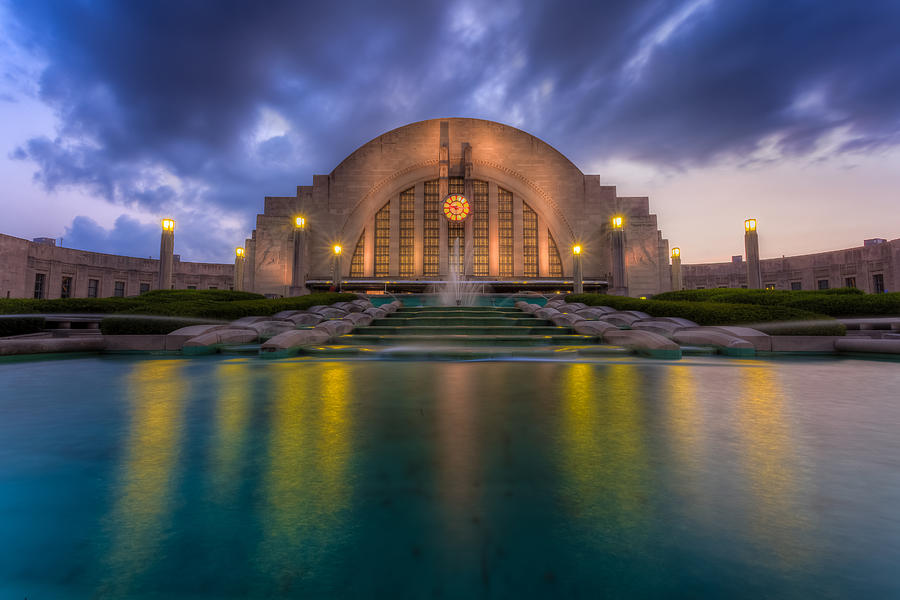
(356, 263)
(456, 230)
(407, 232)
(529, 241)
(383, 241)
(504, 222)
(555, 262)
(431, 229)
(480, 228)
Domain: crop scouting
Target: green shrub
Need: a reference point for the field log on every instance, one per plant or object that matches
(214, 295)
(843, 302)
(720, 313)
(20, 325)
(144, 326)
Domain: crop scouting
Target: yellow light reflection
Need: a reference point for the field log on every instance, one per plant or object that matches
(142, 508)
(687, 430)
(231, 428)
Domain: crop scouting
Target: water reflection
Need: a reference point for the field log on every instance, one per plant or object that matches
(143, 505)
(233, 412)
(605, 459)
(687, 438)
(306, 486)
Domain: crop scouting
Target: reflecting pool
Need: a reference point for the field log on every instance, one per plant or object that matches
(237, 477)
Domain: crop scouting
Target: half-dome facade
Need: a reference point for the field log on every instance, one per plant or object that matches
(523, 207)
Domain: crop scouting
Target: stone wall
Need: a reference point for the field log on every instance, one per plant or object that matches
(21, 260)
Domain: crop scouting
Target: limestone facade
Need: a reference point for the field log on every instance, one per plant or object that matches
(873, 268)
(530, 206)
(30, 268)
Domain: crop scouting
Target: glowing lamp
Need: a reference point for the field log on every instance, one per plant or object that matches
(337, 249)
(239, 252)
(168, 224)
(676, 252)
(617, 222)
(300, 222)
(750, 225)
(576, 249)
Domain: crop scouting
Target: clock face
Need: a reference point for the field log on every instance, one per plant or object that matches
(456, 207)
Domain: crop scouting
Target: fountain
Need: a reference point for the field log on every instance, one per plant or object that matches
(457, 290)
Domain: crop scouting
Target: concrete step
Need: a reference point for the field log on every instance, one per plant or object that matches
(468, 309)
(444, 321)
(464, 340)
(462, 330)
(466, 352)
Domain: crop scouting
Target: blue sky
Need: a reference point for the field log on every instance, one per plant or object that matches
(118, 113)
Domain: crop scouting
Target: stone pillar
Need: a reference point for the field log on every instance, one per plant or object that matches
(167, 254)
(493, 231)
(617, 246)
(336, 266)
(298, 270)
(677, 284)
(577, 276)
(751, 248)
(238, 270)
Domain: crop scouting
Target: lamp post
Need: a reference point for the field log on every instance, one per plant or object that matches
(676, 270)
(617, 244)
(751, 247)
(238, 269)
(578, 278)
(298, 278)
(337, 267)
(167, 254)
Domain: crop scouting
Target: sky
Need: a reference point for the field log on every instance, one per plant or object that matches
(114, 114)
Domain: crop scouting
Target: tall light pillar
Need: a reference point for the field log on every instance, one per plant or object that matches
(617, 244)
(336, 267)
(751, 247)
(298, 272)
(238, 270)
(167, 254)
(677, 285)
(577, 276)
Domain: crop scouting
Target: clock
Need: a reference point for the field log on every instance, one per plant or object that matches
(456, 207)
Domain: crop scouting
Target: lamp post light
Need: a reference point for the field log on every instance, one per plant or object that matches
(617, 244)
(337, 266)
(298, 272)
(167, 254)
(578, 278)
(238, 269)
(676, 270)
(751, 248)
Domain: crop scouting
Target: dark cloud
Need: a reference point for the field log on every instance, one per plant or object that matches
(160, 103)
(128, 237)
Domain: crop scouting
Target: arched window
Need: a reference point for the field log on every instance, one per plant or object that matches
(529, 241)
(383, 241)
(555, 262)
(356, 263)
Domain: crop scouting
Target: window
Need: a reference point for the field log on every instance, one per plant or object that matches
(383, 241)
(431, 231)
(878, 283)
(119, 291)
(145, 287)
(480, 228)
(456, 230)
(39, 280)
(190, 287)
(850, 282)
(700, 287)
(213, 287)
(795, 285)
(504, 222)
(555, 262)
(770, 286)
(529, 239)
(407, 232)
(93, 287)
(822, 284)
(66, 290)
(356, 263)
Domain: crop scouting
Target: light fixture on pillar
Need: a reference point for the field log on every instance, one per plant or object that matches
(239, 253)
(298, 272)
(751, 247)
(676, 253)
(750, 225)
(337, 266)
(167, 254)
(238, 283)
(617, 245)
(168, 224)
(676, 270)
(300, 222)
(577, 277)
(618, 222)
(337, 249)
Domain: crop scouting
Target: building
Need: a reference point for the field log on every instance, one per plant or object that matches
(41, 269)
(528, 206)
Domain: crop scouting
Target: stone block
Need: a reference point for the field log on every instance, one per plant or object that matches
(761, 341)
(306, 319)
(595, 328)
(267, 329)
(376, 313)
(335, 328)
(546, 313)
(643, 342)
(620, 319)
(724, 342)
(290, 341)
(359, 319)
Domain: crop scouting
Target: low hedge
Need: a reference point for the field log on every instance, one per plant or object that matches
(720, 313)
(144, 325)
(844, 302)
(20, 325)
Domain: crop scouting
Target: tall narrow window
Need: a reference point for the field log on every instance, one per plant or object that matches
(431, 229)
(555, 262)
(39, 280)
(145, 287)
(529, 241)
(383, 241)
(93, 287)
(407, 232)
(119, 290)
(66, 290)
(878, 283)
(456, 230)
(356, 263)
(480, 228)
(505, 229)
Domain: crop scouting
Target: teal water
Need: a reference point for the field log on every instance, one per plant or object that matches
(239, 478)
